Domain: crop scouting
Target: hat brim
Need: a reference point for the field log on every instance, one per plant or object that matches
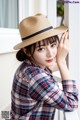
(39, 37)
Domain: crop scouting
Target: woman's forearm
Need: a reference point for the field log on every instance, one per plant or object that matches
(65, 75)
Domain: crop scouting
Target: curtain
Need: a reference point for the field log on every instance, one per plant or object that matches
(9, 14)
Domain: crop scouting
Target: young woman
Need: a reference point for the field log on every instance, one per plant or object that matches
(35, 92)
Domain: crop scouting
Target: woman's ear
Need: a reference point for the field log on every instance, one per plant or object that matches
(26, 52)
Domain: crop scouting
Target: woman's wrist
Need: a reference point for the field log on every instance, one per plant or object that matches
(61, 62)
(63, 70)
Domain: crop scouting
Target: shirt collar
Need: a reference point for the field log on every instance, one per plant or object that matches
(30, 63)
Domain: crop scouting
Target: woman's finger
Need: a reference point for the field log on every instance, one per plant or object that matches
(65, 38)
(62, 38)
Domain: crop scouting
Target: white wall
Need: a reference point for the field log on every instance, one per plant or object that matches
(72, 20)
(8, 65)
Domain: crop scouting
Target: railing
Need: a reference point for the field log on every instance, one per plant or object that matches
(71, 115)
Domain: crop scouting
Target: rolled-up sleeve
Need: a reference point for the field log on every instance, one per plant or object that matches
(44, 88)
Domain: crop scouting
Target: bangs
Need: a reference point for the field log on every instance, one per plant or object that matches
(31, 48)
(47, 41)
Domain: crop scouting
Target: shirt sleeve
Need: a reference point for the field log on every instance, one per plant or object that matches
(44, 88)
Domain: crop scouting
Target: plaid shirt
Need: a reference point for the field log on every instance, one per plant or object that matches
(35, 94)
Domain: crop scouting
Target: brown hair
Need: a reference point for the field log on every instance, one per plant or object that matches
(21, 55)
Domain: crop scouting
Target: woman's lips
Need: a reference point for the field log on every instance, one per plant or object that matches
(50, 60)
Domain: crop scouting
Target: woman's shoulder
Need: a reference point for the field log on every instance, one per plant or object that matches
(29, 69)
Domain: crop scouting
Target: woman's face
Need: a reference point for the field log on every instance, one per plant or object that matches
(45, 54)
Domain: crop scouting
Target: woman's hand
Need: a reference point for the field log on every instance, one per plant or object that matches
(63, 48)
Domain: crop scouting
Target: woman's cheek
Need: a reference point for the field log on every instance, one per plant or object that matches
(55, 52)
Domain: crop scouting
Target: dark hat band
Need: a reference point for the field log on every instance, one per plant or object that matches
(41, 31)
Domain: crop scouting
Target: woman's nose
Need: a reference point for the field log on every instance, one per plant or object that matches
(49, 52)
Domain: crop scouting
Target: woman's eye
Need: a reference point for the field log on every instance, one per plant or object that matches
(41, 49)
(53, 45)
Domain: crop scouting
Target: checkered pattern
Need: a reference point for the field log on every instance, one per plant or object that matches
(36, 95)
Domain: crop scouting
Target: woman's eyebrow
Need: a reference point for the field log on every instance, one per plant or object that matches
(40, 46)
(45, 45)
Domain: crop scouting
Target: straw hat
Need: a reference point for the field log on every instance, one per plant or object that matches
(36, 28)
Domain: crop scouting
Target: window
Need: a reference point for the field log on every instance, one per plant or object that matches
(11, 13)
(60, 12)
